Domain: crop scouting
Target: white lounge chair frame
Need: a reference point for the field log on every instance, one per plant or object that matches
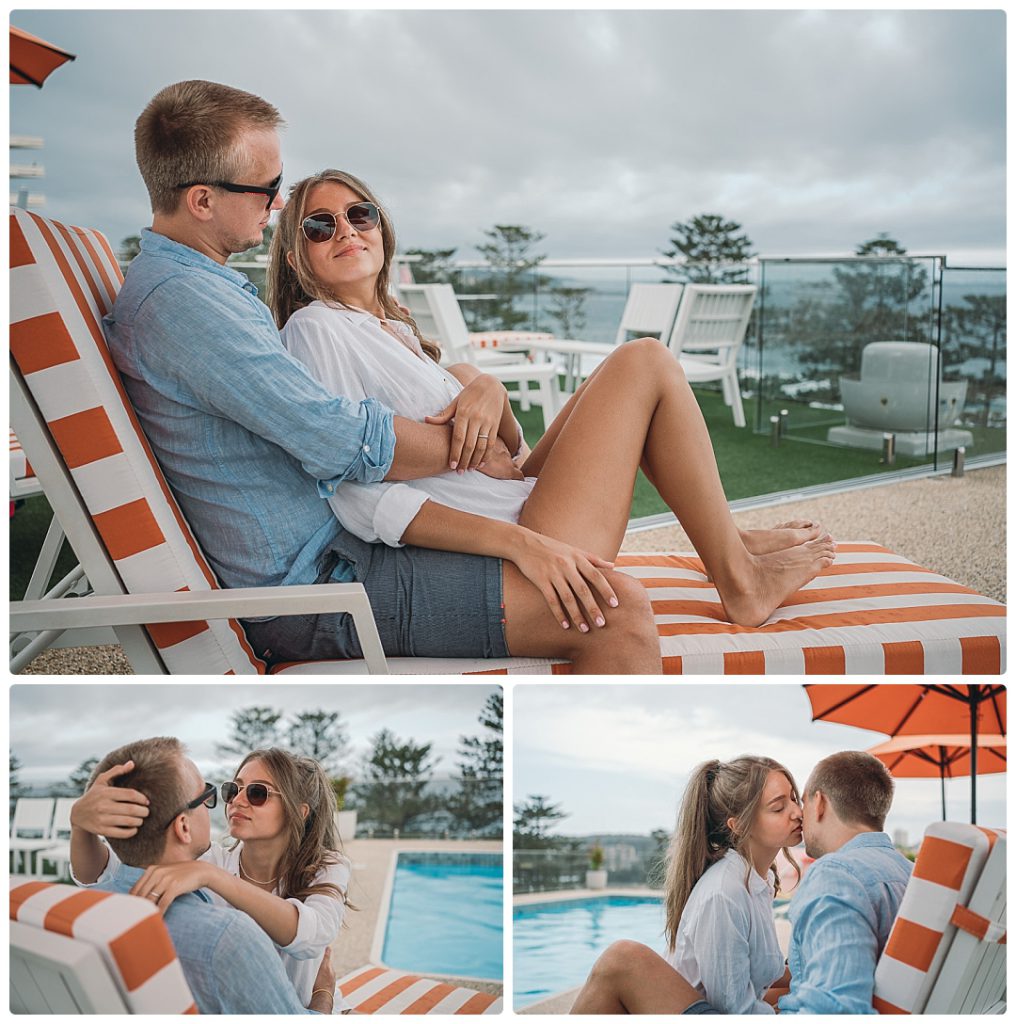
(53, 973)
(650, 309)
(708, 333)
(437, 312)
(31, 814)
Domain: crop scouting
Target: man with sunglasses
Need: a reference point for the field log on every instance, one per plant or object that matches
(251, 444)
(230, 964)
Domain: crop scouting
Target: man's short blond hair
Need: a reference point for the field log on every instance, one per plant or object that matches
(857, 784)
(192, 132)
(158, 773)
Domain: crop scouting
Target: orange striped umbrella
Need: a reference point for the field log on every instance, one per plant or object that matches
(916, 710)
(33, 59)
(926, 757)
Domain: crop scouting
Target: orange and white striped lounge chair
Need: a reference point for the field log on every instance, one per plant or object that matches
(872, 612)
(946, 951)
(384, 990)
(82, 951)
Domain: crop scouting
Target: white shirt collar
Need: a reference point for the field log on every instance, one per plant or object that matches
(756, 883)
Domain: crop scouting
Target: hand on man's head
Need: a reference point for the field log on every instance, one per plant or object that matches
(108, 810)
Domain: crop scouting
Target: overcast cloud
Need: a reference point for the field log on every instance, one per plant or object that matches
(814, 129)
(617, 758)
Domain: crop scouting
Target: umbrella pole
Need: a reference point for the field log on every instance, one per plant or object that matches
(973, 695)
(941, 777)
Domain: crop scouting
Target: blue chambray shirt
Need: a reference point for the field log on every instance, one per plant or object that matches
(251, 444)
(230, 964)
(841, 918)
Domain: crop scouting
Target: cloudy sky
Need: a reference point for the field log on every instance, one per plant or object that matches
(617, 758)
(815, 129)
(54, 728)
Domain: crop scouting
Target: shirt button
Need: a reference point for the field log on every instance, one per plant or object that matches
(330, 488)
(366, 447)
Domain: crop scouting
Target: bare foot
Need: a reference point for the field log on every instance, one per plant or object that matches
(781, 536)
(753, 593)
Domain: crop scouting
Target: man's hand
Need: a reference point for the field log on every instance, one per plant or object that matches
(110, 811)
(323, 998)
(498, 463)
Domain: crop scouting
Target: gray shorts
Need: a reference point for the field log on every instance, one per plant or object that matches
(700, 1006)
(427, 604)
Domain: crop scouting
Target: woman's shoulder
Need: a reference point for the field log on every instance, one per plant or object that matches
(722, 879)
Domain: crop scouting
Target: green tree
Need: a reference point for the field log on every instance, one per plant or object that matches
(321, 735)
(250, 729)
(977, 330)
(479, 802)
(512, 263)
(79, 778)
(434, 266)
(567, 309)
(393, 791)
(713, 250)
(16, 787)
(533, 820)
(129, 248)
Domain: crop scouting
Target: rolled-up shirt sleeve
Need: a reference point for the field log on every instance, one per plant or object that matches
(377, 512)
(320, 915)
(247, 376)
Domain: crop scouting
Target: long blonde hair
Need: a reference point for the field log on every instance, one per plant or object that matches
(717, 792)
(291, 288)
(311, 842)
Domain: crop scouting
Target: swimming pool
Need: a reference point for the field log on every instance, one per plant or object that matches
(555, 944)
(445, 915)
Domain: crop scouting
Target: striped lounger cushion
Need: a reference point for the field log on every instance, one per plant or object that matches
(948, 867)
(872, 612)
(383, 990)
(128, 932)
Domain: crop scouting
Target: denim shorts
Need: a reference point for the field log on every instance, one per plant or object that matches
(427, 604)
(700, 1006)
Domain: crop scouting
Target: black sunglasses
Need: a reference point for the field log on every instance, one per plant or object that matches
(271, 190)
(320, 227)
(208, 797)
(257, 793)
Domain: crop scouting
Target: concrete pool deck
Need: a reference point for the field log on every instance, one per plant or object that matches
(373, 863)
(561, 1002)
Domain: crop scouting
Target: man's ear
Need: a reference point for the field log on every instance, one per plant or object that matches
(199, 199)
(182, 830)
(821, 805)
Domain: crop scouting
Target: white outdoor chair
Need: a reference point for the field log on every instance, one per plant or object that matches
(648, 311)
(31, 830)
(77, 951)
(946, 950)
(708, 333)
(59, 852)
(436, 312)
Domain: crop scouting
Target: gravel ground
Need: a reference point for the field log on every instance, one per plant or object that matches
(954, 526)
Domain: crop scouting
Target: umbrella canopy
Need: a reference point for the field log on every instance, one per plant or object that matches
(33, 59)
(916, 710)
(941, 757)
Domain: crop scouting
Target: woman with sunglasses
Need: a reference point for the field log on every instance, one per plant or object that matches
(284, 867)
(329, 275)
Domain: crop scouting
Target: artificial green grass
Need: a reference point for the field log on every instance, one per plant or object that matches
(27, 532)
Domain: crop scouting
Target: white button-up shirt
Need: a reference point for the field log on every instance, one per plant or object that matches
(726, 940)
(349, 352)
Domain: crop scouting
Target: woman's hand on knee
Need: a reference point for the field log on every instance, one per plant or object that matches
(570, 580)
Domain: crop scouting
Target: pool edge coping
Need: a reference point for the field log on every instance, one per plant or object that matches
(528, 899)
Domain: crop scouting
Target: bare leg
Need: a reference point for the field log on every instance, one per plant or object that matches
(629, 643)
(630, 978)
(638, 407)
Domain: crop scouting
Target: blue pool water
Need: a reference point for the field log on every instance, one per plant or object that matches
(555, 944)
(445, 915)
